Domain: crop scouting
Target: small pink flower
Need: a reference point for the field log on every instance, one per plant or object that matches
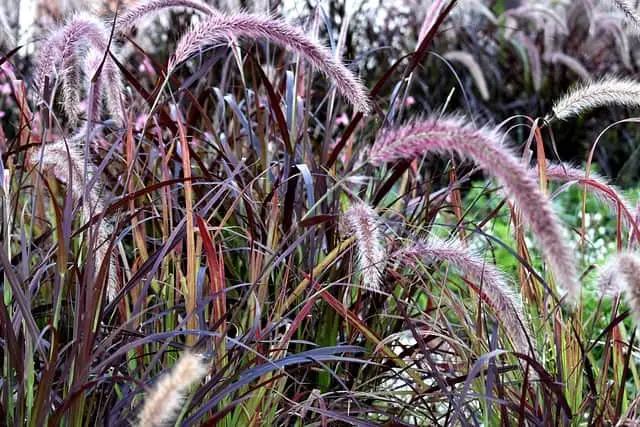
(342, 120)
(140, 121)
(409, 101)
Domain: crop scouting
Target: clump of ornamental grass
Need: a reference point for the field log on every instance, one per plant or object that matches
(587, 96)
(66, 161)
(452, 134)
(621, 274)
(61, 59)
(134, 13)
(216, 27)
(167, 397)
(365, 224)
(490, 282)
(595, 184)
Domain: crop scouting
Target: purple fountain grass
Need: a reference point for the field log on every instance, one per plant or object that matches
(93, 60)
(474, 69)
(133, 14)
(587, 96)
(7, 38)
(169, 394)
(63, 51)
(630, 12)
(216, 27)
(485, 147)
(557, 57)
(621, 273)
(71, 96)
(490, 282)
(365, 223)
(595, 184)
(65, 159)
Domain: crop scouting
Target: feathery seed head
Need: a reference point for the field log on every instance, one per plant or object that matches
(65, 159)
(169, 394)
(365, 223)
(587, 96)
(7, 38)
(489, 279)
(595, 184)
(484, 146)
(621, 273)
(65, 51)
(629, 11)
(62, 46)
(557, 57)
(216, 27)
(468, 61)
(133, 14)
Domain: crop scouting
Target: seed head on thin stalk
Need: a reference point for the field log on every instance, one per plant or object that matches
(595, 184)
(142, 9)
(608, 91)
(167, 397)
(65, 50)
(365, 223)
(65, 159)
(622, 274)
(491, 282)
(217, 27)
(452, 134)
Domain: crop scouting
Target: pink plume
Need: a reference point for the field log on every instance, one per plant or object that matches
(484, 146)
(133, 14)
(217, 27)
(490, 282)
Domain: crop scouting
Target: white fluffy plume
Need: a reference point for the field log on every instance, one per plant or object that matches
(365, 223)
(169, 394)
(605, 92)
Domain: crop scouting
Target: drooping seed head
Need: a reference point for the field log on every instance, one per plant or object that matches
(621, 273)
(485, 147)
(217, 27)
(608, 91)
(595, 184)
(61, 59)
(630, 12)
(489, 280)
(142, 9)
(474, 69)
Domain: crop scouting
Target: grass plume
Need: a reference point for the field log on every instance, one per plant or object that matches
(365, 223)
(630, 12)
(490, 282)
(485, 147)
(587, 96)
(65, 159)
(65, 49)
(134, 13)
(7, 38)
(621, 273)
(169, 394)
(215, 28)
(595, 184)
(474, 69)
